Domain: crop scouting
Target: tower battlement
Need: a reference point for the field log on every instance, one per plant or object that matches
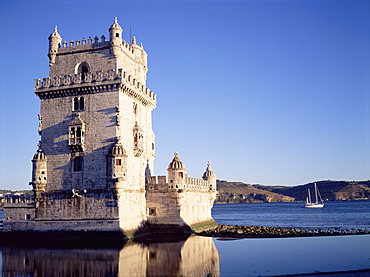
(18, 200)
(87, 44)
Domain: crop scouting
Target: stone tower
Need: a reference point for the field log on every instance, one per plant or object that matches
(96, 134)
(93, 169)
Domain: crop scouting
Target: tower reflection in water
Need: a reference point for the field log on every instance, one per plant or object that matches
(195, 256)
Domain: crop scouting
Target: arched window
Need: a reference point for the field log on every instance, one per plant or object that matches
(76, 129)
(75, 104)
(82, 103)
(78, 103)
(83, 68)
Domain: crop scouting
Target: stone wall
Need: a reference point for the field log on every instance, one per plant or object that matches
(189, 206)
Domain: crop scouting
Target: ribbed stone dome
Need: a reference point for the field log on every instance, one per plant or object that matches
(118, 150)
(39, 155)
(208, 173)
(176, 163)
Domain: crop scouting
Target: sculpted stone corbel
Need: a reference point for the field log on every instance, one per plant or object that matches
(37, 83)
(46, 82)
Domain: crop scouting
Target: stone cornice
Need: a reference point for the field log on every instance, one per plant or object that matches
(100, 81)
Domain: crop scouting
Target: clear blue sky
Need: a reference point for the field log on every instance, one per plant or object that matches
(271, 92)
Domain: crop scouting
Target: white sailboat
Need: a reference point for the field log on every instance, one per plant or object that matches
(319, 202)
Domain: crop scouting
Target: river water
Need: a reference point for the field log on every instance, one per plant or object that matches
(335, 214)
(204, 256)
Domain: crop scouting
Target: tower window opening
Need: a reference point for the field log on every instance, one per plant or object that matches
(82, 103)
(118, 162)
(181, 174)
(83, 68)
(77, 164)
(117, 35)
(75, 104)
(152, 211)
(78, 103)
(76, 135)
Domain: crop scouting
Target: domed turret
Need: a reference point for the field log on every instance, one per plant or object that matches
(210, 176)
(115, 36)
(176, 173)
(176, 163)
(209, 172)
(54, 41)
(39, 155)
(39, 173)
(118, 150)
(117, 163)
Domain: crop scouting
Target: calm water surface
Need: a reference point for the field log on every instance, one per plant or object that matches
(203, 256)
(335, 214)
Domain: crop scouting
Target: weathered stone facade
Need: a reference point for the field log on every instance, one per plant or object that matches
(93, 169)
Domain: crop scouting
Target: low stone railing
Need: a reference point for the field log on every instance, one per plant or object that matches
(195, 184)
(191, 184)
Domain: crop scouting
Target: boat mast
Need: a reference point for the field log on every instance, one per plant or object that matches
(316, 196)
(309, 196)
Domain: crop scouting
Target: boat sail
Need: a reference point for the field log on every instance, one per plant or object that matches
(319, 202)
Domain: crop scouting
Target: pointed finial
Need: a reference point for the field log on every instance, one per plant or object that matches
(176, 154)
(115, 20)
(133, 40)
(209, 166)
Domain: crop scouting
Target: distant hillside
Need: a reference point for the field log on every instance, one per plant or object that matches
(330, 190)
(238, 192)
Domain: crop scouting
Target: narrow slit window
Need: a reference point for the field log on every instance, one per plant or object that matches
(77, 164)
(75, 104)
(82, 103)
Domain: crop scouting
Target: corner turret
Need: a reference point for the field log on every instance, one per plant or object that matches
(115, 36)
(54, 41)
(176, 173)
(210, 176)
(117, 162)
(39, 173)
(141, 58)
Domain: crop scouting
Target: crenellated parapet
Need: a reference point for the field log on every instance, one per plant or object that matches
(191, 184)
(94, 82)
(11, 200)
(91, 44)
(154, 185)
